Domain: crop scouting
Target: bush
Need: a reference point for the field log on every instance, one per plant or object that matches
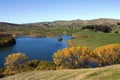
(44, 65)
(15, 59)
(14, 62)
(102, 28)
(108, 55)
(82, 57)
(38, 65)
(6, 40)
(1, 75)
(74, 57)
(1, 72)
(30, 65)
(116, 32)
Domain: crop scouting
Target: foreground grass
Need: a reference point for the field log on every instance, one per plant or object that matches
(103, 73)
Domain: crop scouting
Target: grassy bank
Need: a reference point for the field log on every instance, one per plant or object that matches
(103, 73)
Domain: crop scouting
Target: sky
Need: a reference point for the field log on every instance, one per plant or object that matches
(30, 11)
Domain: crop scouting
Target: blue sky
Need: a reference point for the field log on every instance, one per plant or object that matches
(27, 11)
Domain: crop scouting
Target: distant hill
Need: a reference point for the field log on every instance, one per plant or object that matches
(101, 21)
(59, 23)
(103, 73)
(114, 23)
(8, 26)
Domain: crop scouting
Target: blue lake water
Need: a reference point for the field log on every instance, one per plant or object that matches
(34, 47)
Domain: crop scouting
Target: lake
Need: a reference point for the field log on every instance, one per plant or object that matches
(40, 48)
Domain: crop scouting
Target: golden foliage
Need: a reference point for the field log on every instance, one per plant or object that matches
(72, 57)
(108, 54)
(15, 59)
(76, 57)
(13, 63)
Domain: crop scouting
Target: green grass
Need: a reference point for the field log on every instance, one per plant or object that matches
(103, 73)
(94, 39)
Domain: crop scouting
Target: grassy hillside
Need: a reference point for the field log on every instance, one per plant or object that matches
(103, 73)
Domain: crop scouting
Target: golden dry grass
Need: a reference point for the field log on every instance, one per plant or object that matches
(103, 73)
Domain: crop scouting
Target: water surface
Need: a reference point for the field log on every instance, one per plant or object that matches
(34, 47)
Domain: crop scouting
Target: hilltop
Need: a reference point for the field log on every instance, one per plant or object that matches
(103, 73)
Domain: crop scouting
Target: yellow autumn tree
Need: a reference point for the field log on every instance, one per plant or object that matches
(73, 57)
(13, 63)
(108, 54)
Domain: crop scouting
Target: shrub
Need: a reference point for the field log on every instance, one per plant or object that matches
(116, 32)
(30, 65)
(74, 57)
(6, 40)
(15, 59)
(107, 55)
(1, 75)
(82, 57)
(14, 62)
(1, 72)
(102, 28)
(44, 65)
(38, 65)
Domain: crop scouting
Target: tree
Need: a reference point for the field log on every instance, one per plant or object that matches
(102, 28)
(13, 63)
(73, 57)
(108, 54)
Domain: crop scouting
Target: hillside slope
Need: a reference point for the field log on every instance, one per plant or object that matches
(104, 73)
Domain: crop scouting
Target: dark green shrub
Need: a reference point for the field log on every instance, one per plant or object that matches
(6, 40)
(38, 65)
(44, 65)
(102, 28)
(1, 72)
(30, 65)
(116, 32)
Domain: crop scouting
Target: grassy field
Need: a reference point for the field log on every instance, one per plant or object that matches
(93, 39)
(103, 73)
